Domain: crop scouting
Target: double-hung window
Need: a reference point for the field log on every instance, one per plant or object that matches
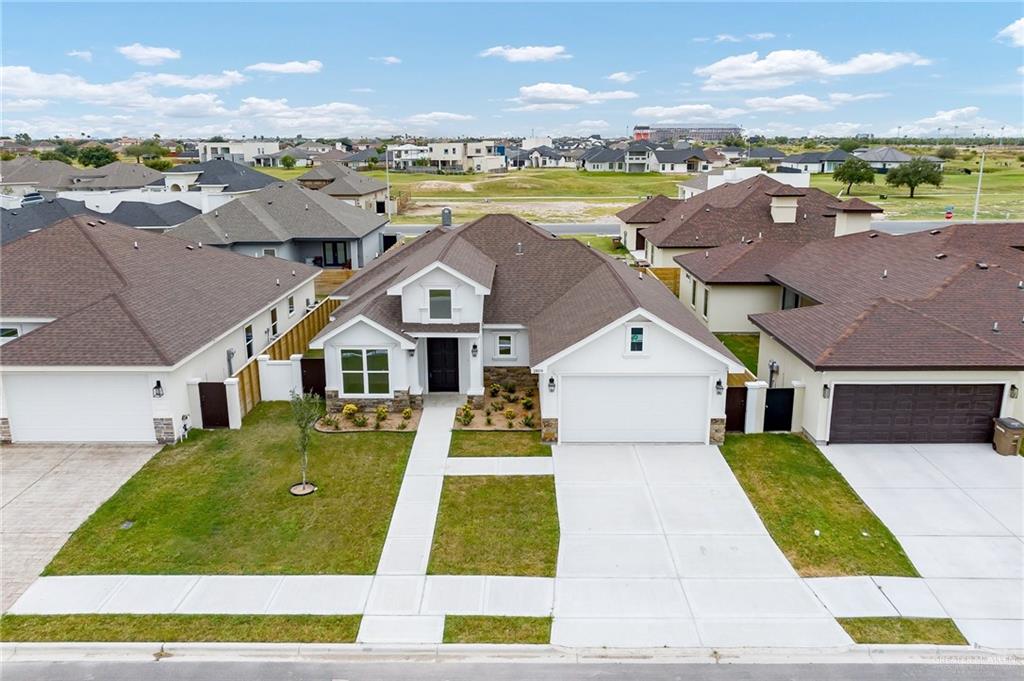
(636, 339)
(291, 305)
(273, 323)
(249, 349)
(364, 371)
(693, 294)
(503, 349)
(707, 300)
(440, 303)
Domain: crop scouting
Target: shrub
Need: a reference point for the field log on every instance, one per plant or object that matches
(527, 403)
(495, 389)
(382, 412)
(464, 415)
(359, 420)
(376, 425)
(528, 392)
(510, 414)
(509, 397)
(406, 414)
(487, 411)
(509, 388)
(402, 425)
(488, 421)
(330, 422)
(528, 421)
(349, 411)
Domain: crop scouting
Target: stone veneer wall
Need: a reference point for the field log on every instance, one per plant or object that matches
(520, 376)
(549, 430)
(164, 430)
(401, 400)
(717, 431)
(5, 430)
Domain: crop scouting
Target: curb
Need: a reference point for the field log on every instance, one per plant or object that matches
(472, 653)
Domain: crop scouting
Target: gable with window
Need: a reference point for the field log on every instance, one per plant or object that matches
(439, 303)
(636, 339)
(365, 371)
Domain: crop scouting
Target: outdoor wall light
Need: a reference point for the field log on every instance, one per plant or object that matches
(1014, 391)
(158, 390)
(719, 388)
(411, 351)
(826, 391)
(551, 384)
(474, 350)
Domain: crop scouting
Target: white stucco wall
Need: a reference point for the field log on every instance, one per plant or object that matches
(729, 304)
(520, 347)
(662, 257)
(365, 336)
(467, 305)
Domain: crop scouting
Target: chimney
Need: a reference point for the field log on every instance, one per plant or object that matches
(784, 209)
(854, 216)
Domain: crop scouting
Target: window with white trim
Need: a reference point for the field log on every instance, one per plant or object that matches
(273, 323)
(269, 252)
(503, 347)
(291, 305)
(364, 371)
(249, 349)
(439, 301)
(636, 339)
(9, 333)
(707, 301)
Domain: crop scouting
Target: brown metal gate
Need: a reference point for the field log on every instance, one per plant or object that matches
(213, 403)
(778, 410)
(736, 409)
(314, 375)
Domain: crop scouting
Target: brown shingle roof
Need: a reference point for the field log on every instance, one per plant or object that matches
(742, 210)
(648, 211)
(856, 205)
(740, 263)
(118, 305)
(785, 190)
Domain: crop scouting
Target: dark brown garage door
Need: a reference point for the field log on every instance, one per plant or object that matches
(914, 413)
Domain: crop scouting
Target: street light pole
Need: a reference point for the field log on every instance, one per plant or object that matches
(977, 193)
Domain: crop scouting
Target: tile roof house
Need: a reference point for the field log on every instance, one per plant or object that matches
(287, 220)
(911, 338)
(110, 341)
(458, 309)
(341, 182)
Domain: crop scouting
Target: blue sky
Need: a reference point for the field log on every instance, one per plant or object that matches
(504, 69)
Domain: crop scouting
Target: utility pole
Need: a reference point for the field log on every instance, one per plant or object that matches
(977, 194)
(387, 181)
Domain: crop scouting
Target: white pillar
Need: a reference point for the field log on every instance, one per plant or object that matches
(195, 407)
(412, 367)
(234, 403)
(799, 392)
(476, 367)
(297, 386)
(757, 392)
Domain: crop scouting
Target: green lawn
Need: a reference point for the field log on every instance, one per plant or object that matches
(487, 629)
(496, 525)
(796, 491)
(497, 443)
(902, 630)
(219, 504)
(601, 243)
(179, 628)
(744, 346)
(283, 173)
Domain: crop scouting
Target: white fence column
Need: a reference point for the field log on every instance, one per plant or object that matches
(277, 378)
(757, 392)
(234, 403)
(195, 407)
(799, 392)
(297, 386)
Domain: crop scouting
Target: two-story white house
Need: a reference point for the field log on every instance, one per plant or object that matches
(239, 151)
(617, 357)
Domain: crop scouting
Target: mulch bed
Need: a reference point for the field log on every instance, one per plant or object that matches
(336, 423)
(497, 406)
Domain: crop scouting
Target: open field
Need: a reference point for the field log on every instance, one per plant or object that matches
(536, 183)
(283, 173)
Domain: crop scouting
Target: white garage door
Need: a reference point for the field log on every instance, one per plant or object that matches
(634, 409)
(79, 407)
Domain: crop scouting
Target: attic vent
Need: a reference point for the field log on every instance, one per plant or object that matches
(135, 245)
(940, 256)
(995, 327)
(519, 248)
(14, 212)
(307, 206)
(982, 265)
(269, 202)
(749, 241)
(873, 235)
(277, 282)
(885, 273)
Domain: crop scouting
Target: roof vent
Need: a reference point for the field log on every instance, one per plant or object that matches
(1020, 284)
(873, 235)
(307, 206)
(519, 248)
(270, 202)
(200, 244)
(982, 265)
(216, 213)
(759, 235)
(707, 210)
(995, 327)
(293, 273)
(91, 224)
(189, 247)
(885, 273)
(706, 254)
(935, 231)
(640, 274)
(277, 282)
(14, 212)
(940, 256)
(135, 245)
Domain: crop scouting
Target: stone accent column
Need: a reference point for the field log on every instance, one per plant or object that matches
(234, 403)
(757, 392)
(799, 394)
(163, 428)
(717, 432)
(5, 430)
(549, 430)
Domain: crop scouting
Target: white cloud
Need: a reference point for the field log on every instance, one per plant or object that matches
(33, 104)
(563, 97)
(966, 119)
(727, 38)
(203, 81)
(1013, 34)
(311, 66)
(846, 97)
(623, 76)
(787, 67)
(732, 38)
(148, 55)
(389, 60)
(691, 112)
(84, 55)
(1020, 70)
(363, 90)
(435, 117)
(761, 36)
(527, 53)
(795, 103)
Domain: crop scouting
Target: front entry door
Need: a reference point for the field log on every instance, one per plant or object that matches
(443, 364)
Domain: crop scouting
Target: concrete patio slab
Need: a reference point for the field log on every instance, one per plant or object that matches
(1000, 634)
(1005, 505)
(728, 556)
(519, 596)
(706, 510)
(612, 555)
(885, 466)
(852, 597)
(395, 595)
(401, 629)
(934, 512)
(405, 556)
(624, 633)
(605, 509)
(975, 465)
(619, 598)
(230, 595)
(969, 557)
(765, 633)
(694, 465)
(453, 595)
(597, 463)
(980, 598)
(910, 596)
(751, 598)
(66, 595)
(321, 595)
(139, 594)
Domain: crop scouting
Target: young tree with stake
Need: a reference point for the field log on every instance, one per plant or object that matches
(307, 409)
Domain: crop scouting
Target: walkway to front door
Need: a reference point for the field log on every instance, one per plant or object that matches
(443, 365)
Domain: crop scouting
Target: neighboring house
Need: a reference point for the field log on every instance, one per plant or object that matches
(483, 156)
(884, 158)
(686, 160)
(286, 220)
(697, 133)
(546, 157)
(702, 182)
(816, 161)
(601, 159)
(767, 154)
(633, 220)
(534, 142)
(215, 177)
(18, 222)
(303, 157)
(158, 217)
(363, 158)
(716, 158)
(616, 356)
(406, 156)
(724, 285)
(757, 208)
(900, 339)
(237, 151)
(110, 341)
(732, 154)
(517, 158)
(334, 179)
(28, 174)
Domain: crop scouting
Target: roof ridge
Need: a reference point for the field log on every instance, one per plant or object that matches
(138, 324)
(957, 329)
(92, 242)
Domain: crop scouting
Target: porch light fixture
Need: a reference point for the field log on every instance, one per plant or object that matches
(719, 388)
(826, 391)
(474, 350)
(158, 390)
(1014, 391)
(551, 384)
(411, 351)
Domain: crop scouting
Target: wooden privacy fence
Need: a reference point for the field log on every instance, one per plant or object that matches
(294, 341)
(330, 279)
(669, 276)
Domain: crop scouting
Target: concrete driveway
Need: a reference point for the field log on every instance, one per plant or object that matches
(661, 547)
(47, 492)
(958, 511)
